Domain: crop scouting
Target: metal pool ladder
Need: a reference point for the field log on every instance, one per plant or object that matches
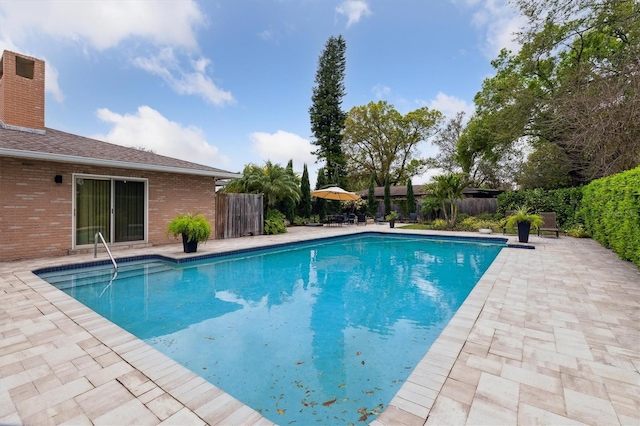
(95, 249)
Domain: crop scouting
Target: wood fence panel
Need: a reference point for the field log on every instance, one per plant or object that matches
(239, 215)
(475, 206)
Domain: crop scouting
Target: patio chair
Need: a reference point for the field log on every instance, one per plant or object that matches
(362, 219)
(352, 219)
(379, 219)
(413, 217)
(549, 224)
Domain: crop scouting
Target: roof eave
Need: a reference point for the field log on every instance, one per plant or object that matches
(111, 163)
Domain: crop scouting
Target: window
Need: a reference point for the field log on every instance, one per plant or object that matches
(116, 207)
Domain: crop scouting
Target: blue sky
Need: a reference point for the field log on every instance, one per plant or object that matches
(225, 83)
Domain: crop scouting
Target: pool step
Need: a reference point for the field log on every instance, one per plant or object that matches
(102, 274)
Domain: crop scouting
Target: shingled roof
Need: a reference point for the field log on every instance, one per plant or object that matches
(58, 146)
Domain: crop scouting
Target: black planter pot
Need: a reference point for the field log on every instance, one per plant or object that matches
(392, 223)
(189, 246)
(523, 231)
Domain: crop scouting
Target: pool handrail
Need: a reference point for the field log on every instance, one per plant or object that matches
(95, 249)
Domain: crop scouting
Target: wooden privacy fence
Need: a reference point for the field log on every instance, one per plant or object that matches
(238, 215)
(475, 206)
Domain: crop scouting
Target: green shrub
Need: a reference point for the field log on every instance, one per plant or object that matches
(611, 213)
(566, 202)
(274, 223)
(469, 223)
(439, 224)
(193, 225)
(577, 231)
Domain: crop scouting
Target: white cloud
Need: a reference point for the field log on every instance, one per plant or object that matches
(149, 129)
(354, 10)
(381, 91)
(105, 24)
(450, 105)
(185, 82)
(281, 146)
(499, 20)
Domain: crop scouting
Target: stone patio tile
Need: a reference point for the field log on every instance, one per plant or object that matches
(132, 412)
(486, 413)
(543, 400)
(530, 415)
(26, 376)
(446, 411)
(589, 409)
(104, 398)
(395, 416)
(6, 404)
(133, 381)
(410, 407)
(60, 413)
(11, 369)
(542, 381)
(581, 385)
(22, 392)
(217, 409)
(151, 394)
(612, 372)
(46, 383)
(108, 359)
(80, 420)
(164, 406)
(484, 364)
(458, 391)
(52, 397)
(195, 400)
(187, 386)
(25, 353)
(183, 417)
(499, 391)
(109, 373)
(242, 416)
(65, 354)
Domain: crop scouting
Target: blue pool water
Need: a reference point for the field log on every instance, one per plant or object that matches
(317, 332)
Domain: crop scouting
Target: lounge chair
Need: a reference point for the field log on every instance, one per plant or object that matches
(362, 219)
(549, 224)
(351, 219)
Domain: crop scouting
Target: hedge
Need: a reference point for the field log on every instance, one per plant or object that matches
(611, 213)
(566, 202)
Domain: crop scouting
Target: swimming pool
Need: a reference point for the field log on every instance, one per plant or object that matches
(325, 331)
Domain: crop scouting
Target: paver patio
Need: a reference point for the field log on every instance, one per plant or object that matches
(547, 336)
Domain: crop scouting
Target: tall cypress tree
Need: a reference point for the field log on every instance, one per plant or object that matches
(321, 203)
(372, 203)
(288, 204)
(327, 117)
(411, 199)
(387, 195)
(305, 189)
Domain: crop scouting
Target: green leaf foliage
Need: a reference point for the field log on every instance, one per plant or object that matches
(565, 202)
(194, 225)
(326, 115)
(274, 223)
(611, 211)
(305, 200)
(387, 196)
(372, 202)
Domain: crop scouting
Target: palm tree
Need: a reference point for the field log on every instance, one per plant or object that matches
(272, 180)
(447, 189)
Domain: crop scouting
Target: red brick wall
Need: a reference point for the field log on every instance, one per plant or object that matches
(22, 99)
(36, 214)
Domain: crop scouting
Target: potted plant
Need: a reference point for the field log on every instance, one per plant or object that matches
(524, 220)
(194, 228)
(391, 217)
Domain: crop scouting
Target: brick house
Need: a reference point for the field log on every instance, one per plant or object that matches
(58, 189)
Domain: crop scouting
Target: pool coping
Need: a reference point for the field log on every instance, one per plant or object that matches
(414, 402)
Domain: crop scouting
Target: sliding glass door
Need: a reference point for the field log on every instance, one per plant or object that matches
(114, 207)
